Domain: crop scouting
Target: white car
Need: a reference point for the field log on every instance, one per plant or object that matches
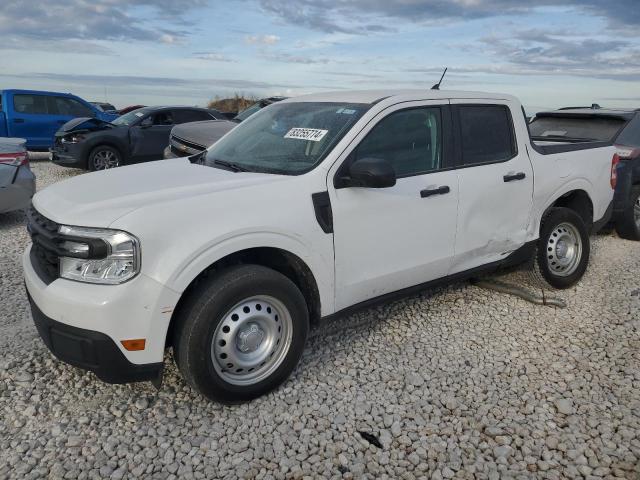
(312, 207)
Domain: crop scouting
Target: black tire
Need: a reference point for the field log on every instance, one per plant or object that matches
(544, 267)
(628, 224)
(94, 162)
(208, 305)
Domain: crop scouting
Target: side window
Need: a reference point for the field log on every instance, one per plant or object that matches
(486, 134)
(630, 136)
(31, 104)
(163, 118)
(186, 116)
(69, 107)
(411, 140)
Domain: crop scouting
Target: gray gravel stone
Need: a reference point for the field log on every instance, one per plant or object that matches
(458, 382)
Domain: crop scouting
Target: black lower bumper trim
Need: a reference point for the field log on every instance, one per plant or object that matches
(92, 351)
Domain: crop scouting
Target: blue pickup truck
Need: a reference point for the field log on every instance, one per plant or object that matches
(37, 116)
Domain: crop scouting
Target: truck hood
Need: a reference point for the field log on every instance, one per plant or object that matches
(83, 123)
(98, 199)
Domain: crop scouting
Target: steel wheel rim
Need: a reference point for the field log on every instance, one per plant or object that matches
(636, 212)
(105, 159)
(252, 340)
(564, 250)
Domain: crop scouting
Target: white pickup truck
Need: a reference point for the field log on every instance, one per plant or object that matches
(312, 207)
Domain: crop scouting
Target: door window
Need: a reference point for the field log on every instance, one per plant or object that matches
(411, 140)
(68, 107)
(30, 104)
(486, 134)
(186, 116)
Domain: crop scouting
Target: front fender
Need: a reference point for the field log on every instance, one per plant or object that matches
(200, 260)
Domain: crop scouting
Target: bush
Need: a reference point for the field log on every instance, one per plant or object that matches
(235, 104)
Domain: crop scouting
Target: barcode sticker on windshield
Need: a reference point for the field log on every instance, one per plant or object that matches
(313, 134)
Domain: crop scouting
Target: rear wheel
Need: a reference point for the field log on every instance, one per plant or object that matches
(563, 248)
(104, 157)
(628, 224)
(241, 333)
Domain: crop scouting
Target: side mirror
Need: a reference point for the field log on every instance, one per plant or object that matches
(371, 173)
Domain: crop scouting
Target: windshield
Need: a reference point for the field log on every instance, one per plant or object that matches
(131, 117)
(592, 128)
(247, 112)
(286, 138)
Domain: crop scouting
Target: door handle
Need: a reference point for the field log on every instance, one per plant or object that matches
(427, 192)
(510, 177)
(18, 120)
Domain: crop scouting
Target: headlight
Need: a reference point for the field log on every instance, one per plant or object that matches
(95, 255)
(73, 138)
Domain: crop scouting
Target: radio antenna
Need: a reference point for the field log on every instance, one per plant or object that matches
(437, 85)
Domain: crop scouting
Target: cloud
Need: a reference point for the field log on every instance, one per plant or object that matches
(549, 52)
(212, 56)
(374, 16)
(27, 22)
(291, 58)
(261, 39)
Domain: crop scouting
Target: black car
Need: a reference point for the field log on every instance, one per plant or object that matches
(138, 136)
(196, 137)
(618, 126)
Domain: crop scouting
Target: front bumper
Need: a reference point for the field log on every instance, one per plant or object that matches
(68, 155)
(83, 324)
(91, 350)
(18, 195)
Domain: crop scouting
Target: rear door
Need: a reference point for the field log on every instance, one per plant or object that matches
(495, 178)
(150, 136)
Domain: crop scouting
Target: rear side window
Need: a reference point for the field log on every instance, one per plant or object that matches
(410, 140)
(601, 129)
(486, 134)
(186, 116)
(630, 136)
(30, 104)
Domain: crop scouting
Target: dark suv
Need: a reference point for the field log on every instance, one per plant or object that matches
(618, 126)
(138, 136)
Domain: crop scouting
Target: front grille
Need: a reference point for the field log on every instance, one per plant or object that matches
(180, 146)
(44, 252)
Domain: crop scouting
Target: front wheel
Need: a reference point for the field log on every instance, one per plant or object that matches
(563, 248)
(104, 157)
(241, 333)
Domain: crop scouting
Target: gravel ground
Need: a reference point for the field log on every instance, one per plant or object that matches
(459, 382)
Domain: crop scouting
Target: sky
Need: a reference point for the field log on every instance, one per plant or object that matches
(549, 53)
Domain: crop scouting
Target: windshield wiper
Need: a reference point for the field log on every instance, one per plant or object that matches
(234, 167)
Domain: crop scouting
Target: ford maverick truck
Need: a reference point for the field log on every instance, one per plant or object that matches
(313, 207)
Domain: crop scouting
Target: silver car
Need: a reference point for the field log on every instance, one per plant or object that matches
(17, 181)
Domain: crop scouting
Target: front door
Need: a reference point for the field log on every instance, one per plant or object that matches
(496, 183)
(150, 137)
(387, 239)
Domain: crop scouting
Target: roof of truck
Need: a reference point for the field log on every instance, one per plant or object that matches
(375, 96)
